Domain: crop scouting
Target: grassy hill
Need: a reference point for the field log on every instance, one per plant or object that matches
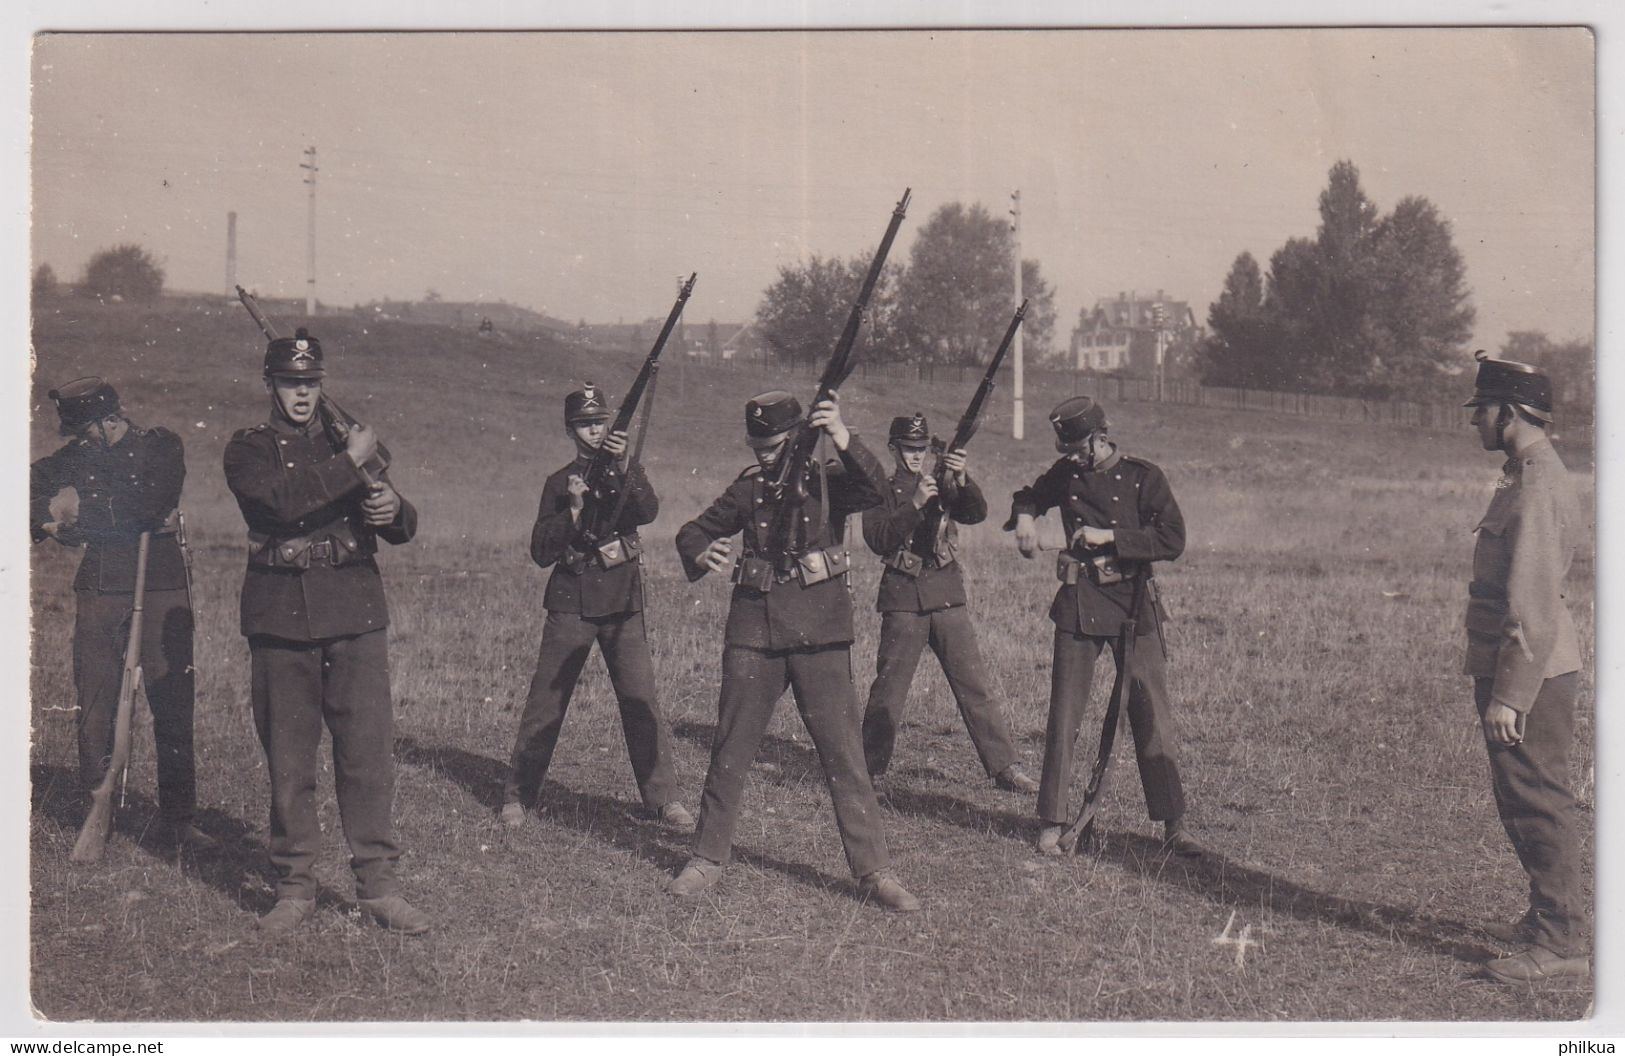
(1331, 751)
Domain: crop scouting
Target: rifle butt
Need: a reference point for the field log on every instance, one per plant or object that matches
(97, 826)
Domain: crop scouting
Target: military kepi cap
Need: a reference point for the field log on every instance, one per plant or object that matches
(82, 401)
(299, 356)
(1503, 381)
(909, 431)
(771, 413)
(587, 404)
(1074, 419)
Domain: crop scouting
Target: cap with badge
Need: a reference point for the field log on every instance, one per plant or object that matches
(909, 431)
(299, 356)
(1075, 419)
(82, 401)
(587, 404)
(1503, 381)
(771, 413)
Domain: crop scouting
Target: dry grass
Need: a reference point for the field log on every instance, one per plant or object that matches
(1330, 748)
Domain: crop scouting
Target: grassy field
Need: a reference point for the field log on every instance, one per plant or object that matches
(1331, 751)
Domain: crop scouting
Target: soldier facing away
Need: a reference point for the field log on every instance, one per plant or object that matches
(314, 614)
(112, 481)
(922, 601)
(789, 623)
(595, 594)
(1524, 658)
(1119, 515)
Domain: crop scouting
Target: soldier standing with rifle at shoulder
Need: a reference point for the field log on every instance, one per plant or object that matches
(314, 490)
(586, 529)
(790, 618)
(112, 483)
(1120, 515)
(922, 594)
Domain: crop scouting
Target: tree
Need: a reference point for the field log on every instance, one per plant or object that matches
(803, 312)
(1372, 305)
(955, 299)
(44, 281)
(1038, 327)
(127, 272)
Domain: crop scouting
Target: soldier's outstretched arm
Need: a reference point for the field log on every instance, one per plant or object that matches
(1041, 496)
(1161, 535)
(46, 477)
(268, 491)
(969, 504)
(642, 504)
(722, 519)
(861, 482)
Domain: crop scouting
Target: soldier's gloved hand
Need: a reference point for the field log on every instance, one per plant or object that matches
(577, 487)
(924, 491)
(65, 532)
(1093, 538)
(826, 415)
(362, 444)
(716, 556)
(64, 506)
(954, 463)
(615, 443)
(381, 506)
(1026, 535)
(1501, 725)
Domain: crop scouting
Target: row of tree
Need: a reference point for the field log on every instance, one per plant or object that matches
(126, 273)
(950, 304)
(1373, 305)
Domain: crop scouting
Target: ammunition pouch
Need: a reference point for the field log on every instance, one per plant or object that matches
(613, 552)
(333, 547)
(812, 567)
(905, 561)
(1100, 569)
(755, 573)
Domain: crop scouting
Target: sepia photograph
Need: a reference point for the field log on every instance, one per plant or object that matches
(961, 525)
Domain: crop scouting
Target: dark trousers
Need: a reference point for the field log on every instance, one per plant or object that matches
(567, 641)
(1150, 716)
(1531, 782)
(752, 682)
(951, 635)
(344, 683)
(100, 633)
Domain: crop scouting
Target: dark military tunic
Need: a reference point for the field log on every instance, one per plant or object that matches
(311, 572)
(789, 616)
(124, 490)
(927, 608)
(314, 613)
(1131, 497)
(789, 636)
(587, 604)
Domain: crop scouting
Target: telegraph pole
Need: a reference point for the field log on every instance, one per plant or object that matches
(682, 354)
(1019, 415)
(310, 233)
(231, 254)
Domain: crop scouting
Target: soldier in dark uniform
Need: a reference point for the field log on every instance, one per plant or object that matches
(922, 600)
(1524, 657)
(111, 482)
(314, 613)
(595, 594)
(789, 623)
(1119, 514)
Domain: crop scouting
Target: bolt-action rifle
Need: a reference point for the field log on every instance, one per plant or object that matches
(335, 419)
(98, 823)
(969, 421)
(600, 518)
(789, 484)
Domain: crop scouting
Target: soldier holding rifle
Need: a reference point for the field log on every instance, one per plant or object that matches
(595, 594)
(1120, 515)
(314, 491)
(110, 483)
(1524, 657)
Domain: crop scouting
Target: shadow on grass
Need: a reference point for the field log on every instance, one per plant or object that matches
(603, 817)
(232, 869)
(785, 760)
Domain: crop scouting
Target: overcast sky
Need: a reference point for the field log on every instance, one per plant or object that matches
(581, 173)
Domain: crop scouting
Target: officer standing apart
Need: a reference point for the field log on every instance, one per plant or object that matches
(1524, 657)
(314, 613)
(789, 623)
(112, 481)
(922, 600)
(1119, 514)
(595, 594)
